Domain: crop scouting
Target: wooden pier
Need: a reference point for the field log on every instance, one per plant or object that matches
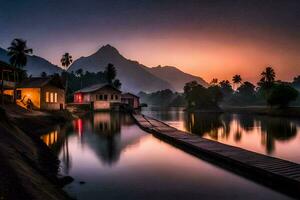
(276, 173)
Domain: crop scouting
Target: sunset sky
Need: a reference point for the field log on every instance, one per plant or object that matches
(206, 38)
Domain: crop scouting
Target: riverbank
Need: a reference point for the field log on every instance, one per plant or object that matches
(263, 110)
(27, 165)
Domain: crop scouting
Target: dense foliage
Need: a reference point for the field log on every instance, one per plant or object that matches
(199, 97)
(162, 98)
(281, 95)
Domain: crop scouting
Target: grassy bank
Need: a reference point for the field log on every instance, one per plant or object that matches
(28, 168)
(263, 110)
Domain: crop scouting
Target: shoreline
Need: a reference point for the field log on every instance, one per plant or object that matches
(28, 164)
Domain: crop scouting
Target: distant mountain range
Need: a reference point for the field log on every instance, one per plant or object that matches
(134, 76)
(35, 64)
(175, 77)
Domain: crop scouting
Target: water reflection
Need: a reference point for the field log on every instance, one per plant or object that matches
(100, 132)
(110, 153)
(264, 134)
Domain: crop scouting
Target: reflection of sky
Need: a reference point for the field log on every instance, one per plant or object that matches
(253, 138)
(150, 169)
(145, 167)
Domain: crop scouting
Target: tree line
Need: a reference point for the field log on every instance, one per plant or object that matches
(268, 91)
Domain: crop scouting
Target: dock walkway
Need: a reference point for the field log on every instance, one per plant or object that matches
(276, 173)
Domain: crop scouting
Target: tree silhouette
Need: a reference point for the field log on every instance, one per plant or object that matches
(18, 52)
(237, 79)
(226, 87)
(246, 89)
(214, 81)
(66, 61)
(117, 84)
(281, 95)
(110, 73)
(267, 78)
(79, 73)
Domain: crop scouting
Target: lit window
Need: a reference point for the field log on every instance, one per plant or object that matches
(51, 97)
(47, 97)
(55, 97)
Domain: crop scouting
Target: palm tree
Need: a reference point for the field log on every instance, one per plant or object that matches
(268, 78)
(18, 52)
(79, 73)
(66, 60)
(214, 81)
(237, 79)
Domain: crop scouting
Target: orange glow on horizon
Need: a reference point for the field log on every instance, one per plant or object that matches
(208, 55)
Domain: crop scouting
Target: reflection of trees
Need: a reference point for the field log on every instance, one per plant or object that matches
(226, 120)
(276, 129)
(203, 123)
(247, 122)
(107, 128)
(216, 126)
(107, 140)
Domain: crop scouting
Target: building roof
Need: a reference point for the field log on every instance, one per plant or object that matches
(130, 94)
(38, 82)
(95, 87)
(5, 66)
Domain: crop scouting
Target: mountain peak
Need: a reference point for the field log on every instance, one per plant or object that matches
(108, 49)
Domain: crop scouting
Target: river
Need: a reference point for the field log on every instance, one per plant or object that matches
(273, 136)
(110, 157)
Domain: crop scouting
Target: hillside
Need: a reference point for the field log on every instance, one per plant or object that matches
(134, 76)
(175, 77)
(35, 64)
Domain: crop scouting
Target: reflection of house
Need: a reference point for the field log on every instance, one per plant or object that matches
(130, 99)
(106, 123)
(100, 96)
(41, 93)
(110, 138)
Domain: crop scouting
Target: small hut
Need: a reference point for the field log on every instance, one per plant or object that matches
(41, 93)
(100, 96)
(130, 99)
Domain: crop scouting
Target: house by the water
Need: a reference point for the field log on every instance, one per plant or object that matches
(100, 96)
(130, 99)
(41, 93)
(105, 97)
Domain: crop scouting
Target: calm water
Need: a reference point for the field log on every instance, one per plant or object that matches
(117, 160)
(273, 136)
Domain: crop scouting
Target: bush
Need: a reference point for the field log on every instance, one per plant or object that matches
(281, 95)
